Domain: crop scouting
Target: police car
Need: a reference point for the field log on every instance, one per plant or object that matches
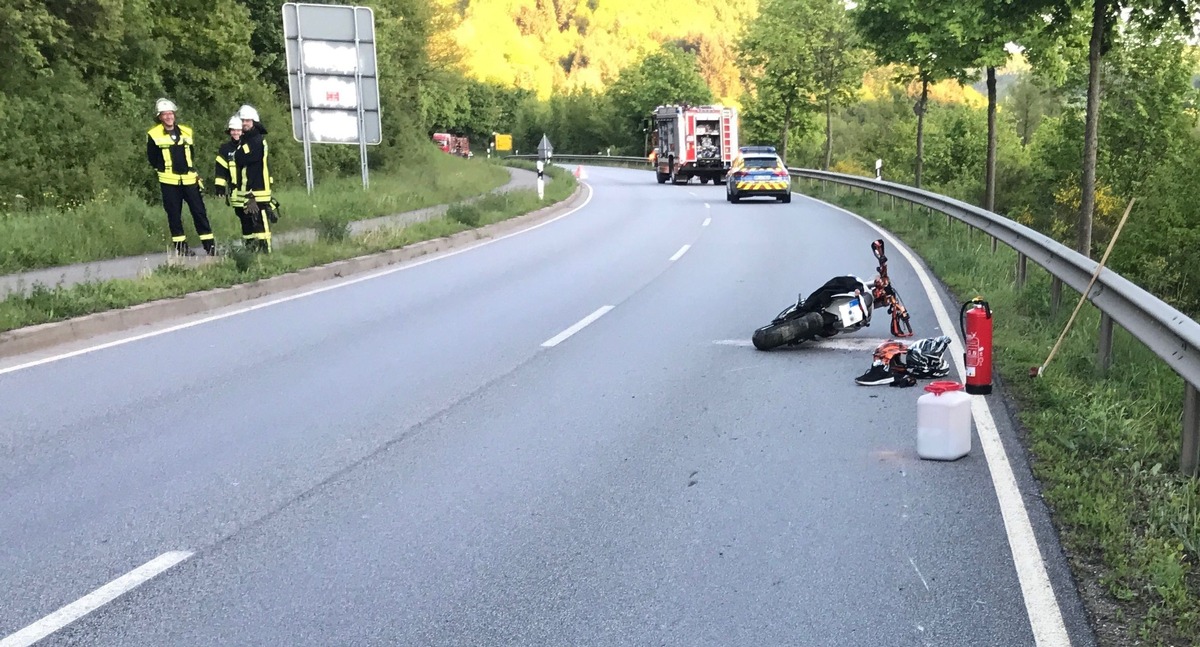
(758, 171)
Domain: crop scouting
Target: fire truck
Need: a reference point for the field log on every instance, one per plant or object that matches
(453, 144)
(694, 141)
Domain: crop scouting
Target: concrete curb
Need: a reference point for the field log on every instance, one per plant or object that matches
(41, 336)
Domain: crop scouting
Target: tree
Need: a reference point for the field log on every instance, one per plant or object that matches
(778, 49)
(1030, 101)
(928, 39)
(665, 77)
(995, 23)
(804, 55)
(1102, 19)
(840, 60)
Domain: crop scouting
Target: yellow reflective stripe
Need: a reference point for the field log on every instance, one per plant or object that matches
(171, 178)
(762, 186)
(266, 171)
(206, 236)
(159, 136)
(178, 239)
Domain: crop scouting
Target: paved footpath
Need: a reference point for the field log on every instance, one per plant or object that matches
(130, 267)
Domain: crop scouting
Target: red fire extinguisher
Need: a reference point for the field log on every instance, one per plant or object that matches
(975, 318)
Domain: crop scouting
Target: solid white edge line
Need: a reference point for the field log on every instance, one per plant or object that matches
(707, 222)
(1041, 604)
(326, 288)
(679, 254)
(94, 600)
(580, 325)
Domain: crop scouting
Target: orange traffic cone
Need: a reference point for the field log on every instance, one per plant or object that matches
(580, 173)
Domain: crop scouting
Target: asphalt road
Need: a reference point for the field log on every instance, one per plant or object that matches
(402, 461)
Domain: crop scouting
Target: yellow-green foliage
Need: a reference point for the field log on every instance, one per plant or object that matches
(548, 46)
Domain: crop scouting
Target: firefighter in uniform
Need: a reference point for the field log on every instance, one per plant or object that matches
(255, 179)
(227, 180)
(169, 152)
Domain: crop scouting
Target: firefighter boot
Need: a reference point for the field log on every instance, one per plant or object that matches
(210, 247)
(182, 249)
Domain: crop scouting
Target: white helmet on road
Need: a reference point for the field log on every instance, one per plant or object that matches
(164, 105)
(248, 112)
(235, 123)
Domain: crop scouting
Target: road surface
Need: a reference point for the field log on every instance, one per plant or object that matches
(558, 438)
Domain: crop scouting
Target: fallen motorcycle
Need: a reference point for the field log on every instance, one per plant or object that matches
(844, 304)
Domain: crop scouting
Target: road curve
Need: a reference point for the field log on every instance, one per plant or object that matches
(559, 438)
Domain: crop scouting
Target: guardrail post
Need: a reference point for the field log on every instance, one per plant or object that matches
(1189, 461)
(994, 244)
(1055, 295)
(1104, 346)
(1022, 269)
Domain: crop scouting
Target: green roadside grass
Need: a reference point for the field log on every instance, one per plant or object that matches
(1105, 447)
(121, 224)
(334, 242)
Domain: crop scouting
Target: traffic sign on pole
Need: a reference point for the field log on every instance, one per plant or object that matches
(333, 78)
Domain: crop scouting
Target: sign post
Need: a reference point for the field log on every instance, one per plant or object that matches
(545, 152)
(333, 79)
(541, 181)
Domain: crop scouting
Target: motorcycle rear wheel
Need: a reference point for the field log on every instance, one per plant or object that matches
(788, 332)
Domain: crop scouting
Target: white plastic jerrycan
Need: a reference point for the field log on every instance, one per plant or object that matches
(944, 422)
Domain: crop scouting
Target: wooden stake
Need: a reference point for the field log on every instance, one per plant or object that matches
(1038, 370)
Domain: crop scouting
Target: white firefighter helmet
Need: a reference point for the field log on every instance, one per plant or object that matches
(248, 112)
(164, 105)
(235, 123)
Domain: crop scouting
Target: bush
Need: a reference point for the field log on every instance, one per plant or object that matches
(467, 214)
(333, 226)
(242, 257)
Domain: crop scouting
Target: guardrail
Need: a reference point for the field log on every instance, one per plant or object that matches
(586, 158)
(1170, 334)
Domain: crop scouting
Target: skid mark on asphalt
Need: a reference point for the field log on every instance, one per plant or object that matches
(846, 344)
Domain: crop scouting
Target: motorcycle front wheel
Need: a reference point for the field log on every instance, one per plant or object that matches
(788, 332)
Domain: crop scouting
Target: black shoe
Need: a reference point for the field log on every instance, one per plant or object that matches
(210, 247)
(182, 249)
(877, 376)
